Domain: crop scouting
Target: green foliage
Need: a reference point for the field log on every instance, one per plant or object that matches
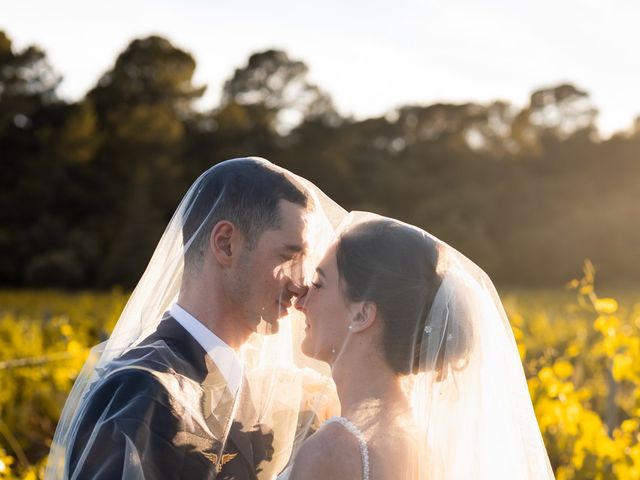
(44, 340)
(277, 92)
(27, 82)
(88, 187)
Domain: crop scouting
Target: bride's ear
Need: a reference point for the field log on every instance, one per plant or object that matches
(364, 317)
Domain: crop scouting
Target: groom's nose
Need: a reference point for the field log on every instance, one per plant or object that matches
(298, 289)
(301, 297)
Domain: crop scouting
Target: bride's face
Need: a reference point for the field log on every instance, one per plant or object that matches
(326, 310)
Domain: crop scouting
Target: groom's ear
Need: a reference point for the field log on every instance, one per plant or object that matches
(224, 242)
(365, 316)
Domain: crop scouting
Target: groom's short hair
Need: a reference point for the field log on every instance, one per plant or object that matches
(243, 191)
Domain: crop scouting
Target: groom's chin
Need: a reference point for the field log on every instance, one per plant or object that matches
(268, 327)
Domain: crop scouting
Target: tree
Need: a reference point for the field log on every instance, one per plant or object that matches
(555, 114)
(150, 71)
(277, 91)
(143, 104)
(29, 110)
(461, 127)
(27, 82)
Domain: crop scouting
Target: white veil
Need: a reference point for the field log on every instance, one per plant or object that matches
(454, 352)
(276, 396)
(471, 396)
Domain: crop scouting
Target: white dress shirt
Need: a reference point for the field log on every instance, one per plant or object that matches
(225, 358)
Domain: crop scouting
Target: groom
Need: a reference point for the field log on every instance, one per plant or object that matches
(144, 418)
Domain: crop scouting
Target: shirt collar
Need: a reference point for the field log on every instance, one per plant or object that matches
(225, 358)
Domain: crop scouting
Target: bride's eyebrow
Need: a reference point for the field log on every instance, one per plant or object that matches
(321, 272)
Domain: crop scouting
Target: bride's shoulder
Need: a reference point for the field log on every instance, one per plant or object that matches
(331, 452)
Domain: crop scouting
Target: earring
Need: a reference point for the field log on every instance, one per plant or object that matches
(333, 351)
(350, 327)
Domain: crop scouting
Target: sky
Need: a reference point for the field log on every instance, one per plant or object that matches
(370, 56)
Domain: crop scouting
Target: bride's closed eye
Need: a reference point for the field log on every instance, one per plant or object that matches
(315, 282)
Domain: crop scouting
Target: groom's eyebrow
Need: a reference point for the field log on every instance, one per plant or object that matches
(294, 248)
(321, 272)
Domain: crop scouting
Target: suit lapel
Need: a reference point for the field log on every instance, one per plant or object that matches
(217, 401)
(219, 408)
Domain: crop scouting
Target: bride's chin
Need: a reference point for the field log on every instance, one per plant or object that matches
(308, 349)
(305, 347)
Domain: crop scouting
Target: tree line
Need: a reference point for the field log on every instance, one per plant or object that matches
(87, 186)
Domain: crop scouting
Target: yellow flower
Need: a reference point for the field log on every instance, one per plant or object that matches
(546, 374)
(5, 462)
(622, 367)
(562, 369)
(606, 305)
(66, 330)
(630, 425)
(74, 347)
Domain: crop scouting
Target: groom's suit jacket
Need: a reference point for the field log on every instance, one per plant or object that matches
(143, 418)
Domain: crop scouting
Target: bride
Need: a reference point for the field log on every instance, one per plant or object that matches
(424, 361)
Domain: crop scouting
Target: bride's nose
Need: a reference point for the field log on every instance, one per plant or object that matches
(301, 299)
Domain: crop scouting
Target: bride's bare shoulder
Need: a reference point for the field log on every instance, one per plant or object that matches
(331, 452)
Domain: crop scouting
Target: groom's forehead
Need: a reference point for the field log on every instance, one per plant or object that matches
(293, 219)
(290, 237)
(291, 240)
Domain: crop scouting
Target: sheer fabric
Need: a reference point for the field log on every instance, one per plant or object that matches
(450, 343)
(150, 403)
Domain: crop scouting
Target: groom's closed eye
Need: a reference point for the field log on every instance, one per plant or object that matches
(294, 248)
(291, 252)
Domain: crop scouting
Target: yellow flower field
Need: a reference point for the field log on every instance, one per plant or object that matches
(581, 355)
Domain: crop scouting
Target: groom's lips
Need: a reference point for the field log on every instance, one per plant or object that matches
(285, 305)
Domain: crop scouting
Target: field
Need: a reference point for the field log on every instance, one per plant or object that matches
(581, 354)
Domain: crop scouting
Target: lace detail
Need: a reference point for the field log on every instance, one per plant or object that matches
(364, 450)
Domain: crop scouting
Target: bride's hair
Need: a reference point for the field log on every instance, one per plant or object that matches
(395, 266)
